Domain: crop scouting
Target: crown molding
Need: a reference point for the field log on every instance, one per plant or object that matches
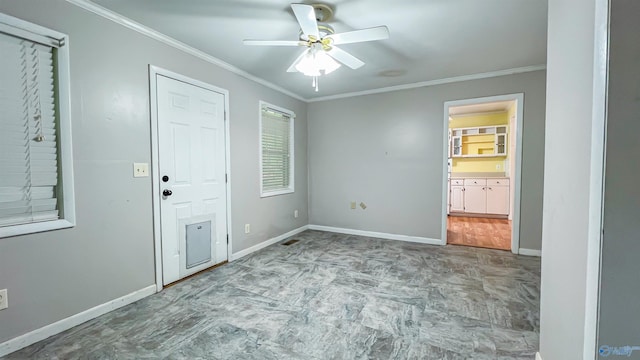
(420, 84)
(153, 34)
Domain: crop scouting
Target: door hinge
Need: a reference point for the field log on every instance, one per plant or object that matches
(227, 238)
(226, 178)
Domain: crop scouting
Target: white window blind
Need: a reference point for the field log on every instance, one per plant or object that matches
(277, 144)
(28, 136)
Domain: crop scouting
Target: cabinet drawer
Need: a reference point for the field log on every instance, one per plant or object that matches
(497, 182)
(468, 182)
(457, 182)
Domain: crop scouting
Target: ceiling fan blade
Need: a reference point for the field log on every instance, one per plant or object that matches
(371, 34)
(306, 16)
(292, 68)
(274, 42)
(345, 58)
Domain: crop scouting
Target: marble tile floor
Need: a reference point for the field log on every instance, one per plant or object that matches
(328, 296)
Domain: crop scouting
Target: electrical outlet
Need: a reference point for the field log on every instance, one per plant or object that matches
(247, 228)
(295, 214)
(4, 300)
(353, 205)
(140, 169)
(363, 205)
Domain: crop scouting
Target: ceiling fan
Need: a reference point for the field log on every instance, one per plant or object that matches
(322, 56)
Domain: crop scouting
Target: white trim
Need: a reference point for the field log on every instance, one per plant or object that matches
(454, 79)
(32, 32)
(517, 182)
(154, 71)
(596, 177)
(292, 166)
(266, 243)
(153, 34)
(538, 356)
(530, 252)
(64, 141)
(57, 327)
(379, 235)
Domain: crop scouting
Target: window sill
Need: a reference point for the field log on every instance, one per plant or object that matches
(275, 193)
(24, 229)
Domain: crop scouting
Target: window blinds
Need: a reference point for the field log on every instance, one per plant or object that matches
(276, 150)
(28, 148)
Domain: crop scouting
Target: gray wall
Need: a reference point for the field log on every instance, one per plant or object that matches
(386, 150)
(619, 321)
(567, 184)
(53, 275)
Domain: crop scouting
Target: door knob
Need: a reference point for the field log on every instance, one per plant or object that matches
(167, 192)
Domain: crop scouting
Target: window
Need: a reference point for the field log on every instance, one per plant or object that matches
(36, 184)
(276, 150)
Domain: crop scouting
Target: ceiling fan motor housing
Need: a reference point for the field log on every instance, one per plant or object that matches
(324, 12)
(323, 29)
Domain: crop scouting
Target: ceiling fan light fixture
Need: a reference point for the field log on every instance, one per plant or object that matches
(316, 62)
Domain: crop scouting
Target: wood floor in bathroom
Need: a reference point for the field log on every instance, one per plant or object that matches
(479, 232)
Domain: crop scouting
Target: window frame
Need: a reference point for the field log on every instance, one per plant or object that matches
(65, 188)
(291, 188)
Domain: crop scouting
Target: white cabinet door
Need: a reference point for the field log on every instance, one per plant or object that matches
(498, 200)
(475, 199)
(456, 146)
(457, 198)
(501, 145)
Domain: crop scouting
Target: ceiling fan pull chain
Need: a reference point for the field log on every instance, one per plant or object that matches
(314, 83)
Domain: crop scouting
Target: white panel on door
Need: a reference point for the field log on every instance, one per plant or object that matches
(209, 108)
(209, 148)
(181, 153)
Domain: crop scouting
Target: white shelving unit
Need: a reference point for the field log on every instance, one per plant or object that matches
(481, 141)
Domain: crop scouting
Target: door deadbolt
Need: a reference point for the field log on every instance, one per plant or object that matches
(165, 178)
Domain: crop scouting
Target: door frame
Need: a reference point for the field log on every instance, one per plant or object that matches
(154, 71)
(517, 182)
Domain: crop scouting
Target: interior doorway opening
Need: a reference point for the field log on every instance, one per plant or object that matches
(482, 177)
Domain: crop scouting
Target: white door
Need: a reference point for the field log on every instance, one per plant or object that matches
(475, 199)
(498, 200)
(191, 154)
(457, 198)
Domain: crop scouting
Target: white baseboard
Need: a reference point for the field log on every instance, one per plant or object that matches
(538, 356)
(378, 235)
(57, 327)
(264, 244)
(530, 252)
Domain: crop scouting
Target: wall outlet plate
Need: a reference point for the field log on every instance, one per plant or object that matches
(4, 300)
(140, 169)
(247, 228)
(363, 205)
(295, 214)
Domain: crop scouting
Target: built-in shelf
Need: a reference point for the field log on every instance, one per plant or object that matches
(482, 141)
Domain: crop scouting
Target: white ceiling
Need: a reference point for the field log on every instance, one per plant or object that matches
(430, 39)
(490, 107)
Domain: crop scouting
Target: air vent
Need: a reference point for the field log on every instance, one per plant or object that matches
(290, 242)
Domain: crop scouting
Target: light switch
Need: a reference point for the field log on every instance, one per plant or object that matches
(140, 169)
